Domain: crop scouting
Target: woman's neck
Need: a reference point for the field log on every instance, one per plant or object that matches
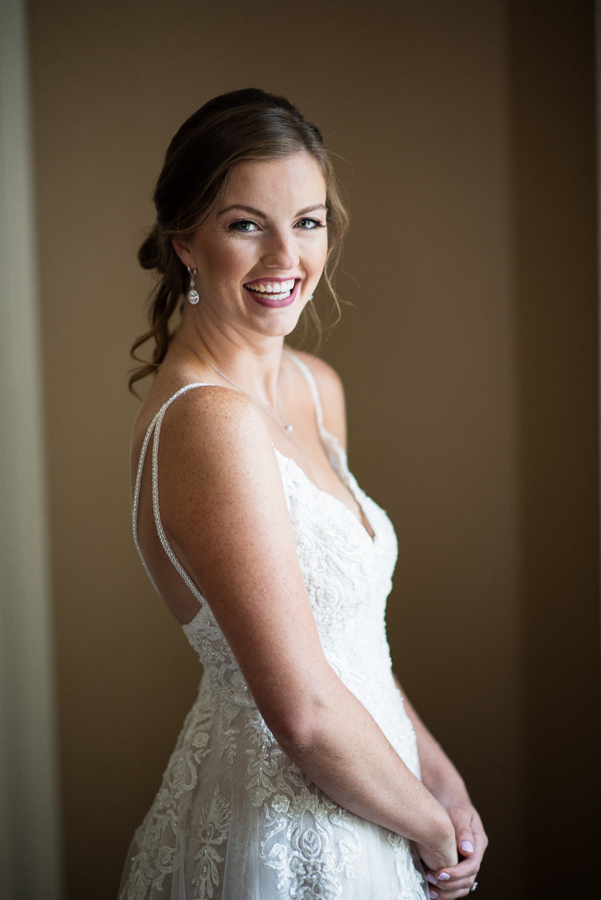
(252, 362)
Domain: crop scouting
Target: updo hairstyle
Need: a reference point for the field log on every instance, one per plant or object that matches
(229, 129)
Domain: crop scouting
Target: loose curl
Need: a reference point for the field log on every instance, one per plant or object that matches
(232, 128)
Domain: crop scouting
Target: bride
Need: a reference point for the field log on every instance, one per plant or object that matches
(301, 770)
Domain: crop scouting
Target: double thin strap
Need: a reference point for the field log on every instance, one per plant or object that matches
(155, 426)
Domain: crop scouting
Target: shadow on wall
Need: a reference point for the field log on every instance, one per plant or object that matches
(555, 235)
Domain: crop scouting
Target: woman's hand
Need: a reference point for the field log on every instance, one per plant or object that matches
(446, 785)
(440, 853)
(449, 882)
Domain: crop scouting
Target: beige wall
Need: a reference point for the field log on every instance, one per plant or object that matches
(466, 131)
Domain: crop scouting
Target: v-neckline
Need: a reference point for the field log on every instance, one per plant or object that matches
(372, 537)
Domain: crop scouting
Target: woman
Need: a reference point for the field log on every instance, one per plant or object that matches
(297, 773)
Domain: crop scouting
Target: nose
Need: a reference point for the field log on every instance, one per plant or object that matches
(281, 252)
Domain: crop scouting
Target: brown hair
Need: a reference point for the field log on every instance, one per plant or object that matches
(241, 125)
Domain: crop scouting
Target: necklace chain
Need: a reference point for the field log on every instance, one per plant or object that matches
(282, 421)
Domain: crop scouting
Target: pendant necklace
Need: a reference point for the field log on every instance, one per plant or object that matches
(282, 421)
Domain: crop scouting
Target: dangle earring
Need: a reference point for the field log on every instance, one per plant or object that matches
(311, 297)
(193, 295)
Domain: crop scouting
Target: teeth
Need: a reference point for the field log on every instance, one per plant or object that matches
(275, 287)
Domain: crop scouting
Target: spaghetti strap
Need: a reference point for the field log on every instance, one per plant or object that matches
(155, 427)
(336, 454)
(312, 386)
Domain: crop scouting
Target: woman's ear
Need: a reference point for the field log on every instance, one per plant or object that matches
(181, 245)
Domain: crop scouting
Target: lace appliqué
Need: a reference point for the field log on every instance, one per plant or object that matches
(405, 861)
(310, 842)
(213, 831)
(308, 839)
(162, 840)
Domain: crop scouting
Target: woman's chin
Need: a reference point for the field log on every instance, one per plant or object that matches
(278, 321)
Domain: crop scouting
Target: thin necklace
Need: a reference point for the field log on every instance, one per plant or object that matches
(282, 421)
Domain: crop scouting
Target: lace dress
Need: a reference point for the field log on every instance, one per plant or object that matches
(235, 818)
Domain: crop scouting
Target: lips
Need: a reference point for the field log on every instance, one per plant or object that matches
(273, 292)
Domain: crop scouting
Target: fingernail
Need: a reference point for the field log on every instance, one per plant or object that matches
(431, 878)
(433, 894)
(444, 876)
(467, 846)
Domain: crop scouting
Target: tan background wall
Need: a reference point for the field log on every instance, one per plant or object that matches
(469, 355)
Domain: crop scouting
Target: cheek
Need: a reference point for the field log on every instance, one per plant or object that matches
(225, 263)
(319, 257)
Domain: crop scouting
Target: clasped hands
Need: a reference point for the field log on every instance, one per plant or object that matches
(450, 882)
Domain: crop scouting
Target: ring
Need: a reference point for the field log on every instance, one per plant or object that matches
(474, 886)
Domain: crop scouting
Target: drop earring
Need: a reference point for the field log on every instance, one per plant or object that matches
(193, 295)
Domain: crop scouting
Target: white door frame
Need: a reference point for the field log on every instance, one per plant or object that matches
(30, 866)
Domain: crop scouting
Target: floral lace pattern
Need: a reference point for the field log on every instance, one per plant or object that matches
(212, 833)
(235, 818)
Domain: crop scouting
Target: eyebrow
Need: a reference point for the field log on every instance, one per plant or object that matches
(257, 212)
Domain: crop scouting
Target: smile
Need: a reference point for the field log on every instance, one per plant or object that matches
(273, 292)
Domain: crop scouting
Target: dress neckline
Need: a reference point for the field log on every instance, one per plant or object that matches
(333, 451)
(371, 537)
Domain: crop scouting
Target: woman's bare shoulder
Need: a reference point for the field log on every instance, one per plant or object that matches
(211, 419)
(193, 405)
(331, 394)
(206, 426)
(217, 465)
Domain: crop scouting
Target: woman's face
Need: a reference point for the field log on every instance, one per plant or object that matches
(261, 253)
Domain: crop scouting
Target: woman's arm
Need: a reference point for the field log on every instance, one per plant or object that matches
(445, 783)
(225, 513)
(439, 775)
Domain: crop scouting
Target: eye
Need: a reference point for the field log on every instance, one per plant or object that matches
(308, 224)
(243, 225)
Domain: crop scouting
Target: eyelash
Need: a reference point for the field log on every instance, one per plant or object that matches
(314, 222)
(236, 226)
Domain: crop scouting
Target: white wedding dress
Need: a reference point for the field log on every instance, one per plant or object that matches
(235, 818)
